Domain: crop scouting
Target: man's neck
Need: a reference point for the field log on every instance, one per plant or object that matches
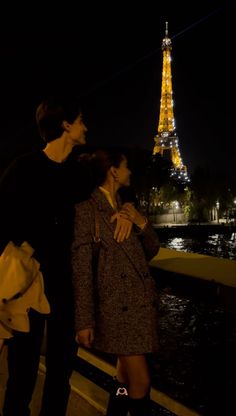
(58, 150)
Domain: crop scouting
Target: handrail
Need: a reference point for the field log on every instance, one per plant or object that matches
(99, 401)
(214, 269)
(157, 396)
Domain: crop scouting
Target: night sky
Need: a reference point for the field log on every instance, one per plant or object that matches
(113, 57)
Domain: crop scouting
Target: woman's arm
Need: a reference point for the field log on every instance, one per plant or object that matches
(147, 234)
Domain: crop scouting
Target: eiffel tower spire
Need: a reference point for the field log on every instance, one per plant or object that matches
(166, 140)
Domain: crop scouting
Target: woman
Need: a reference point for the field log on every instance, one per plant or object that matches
(116, 307)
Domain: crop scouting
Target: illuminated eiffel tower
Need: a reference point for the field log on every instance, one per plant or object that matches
(166, 140)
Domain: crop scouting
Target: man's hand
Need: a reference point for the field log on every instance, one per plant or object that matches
(85, 337)
(129, 212)
(123, 227)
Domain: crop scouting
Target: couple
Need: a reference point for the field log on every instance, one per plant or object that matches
(117, 312)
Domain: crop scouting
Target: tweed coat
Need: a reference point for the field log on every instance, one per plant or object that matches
(120, 301)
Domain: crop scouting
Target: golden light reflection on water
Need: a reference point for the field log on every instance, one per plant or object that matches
(217, 245)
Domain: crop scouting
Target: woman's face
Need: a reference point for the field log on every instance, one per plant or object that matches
(123, 173)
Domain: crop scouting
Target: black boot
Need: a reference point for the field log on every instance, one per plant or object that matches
(119, 400)
(140, 407)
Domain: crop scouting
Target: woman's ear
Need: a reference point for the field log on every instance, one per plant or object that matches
(113, 172)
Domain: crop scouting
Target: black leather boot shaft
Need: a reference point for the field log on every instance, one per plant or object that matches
(119, 400)
(140, 407)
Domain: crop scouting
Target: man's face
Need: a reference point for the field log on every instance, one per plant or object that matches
(78, 131)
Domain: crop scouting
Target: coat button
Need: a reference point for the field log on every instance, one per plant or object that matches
(124, 308)
(123, 275)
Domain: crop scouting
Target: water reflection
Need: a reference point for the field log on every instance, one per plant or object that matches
(217, 245)
(196, 361)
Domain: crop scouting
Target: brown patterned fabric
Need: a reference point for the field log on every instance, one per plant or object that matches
(121, 303)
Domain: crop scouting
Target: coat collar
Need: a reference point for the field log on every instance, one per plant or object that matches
(102, 203)
(106, 211)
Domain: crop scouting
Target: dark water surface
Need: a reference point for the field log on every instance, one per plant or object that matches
(196, 363)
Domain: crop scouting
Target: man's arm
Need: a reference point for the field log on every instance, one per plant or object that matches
(8, 202)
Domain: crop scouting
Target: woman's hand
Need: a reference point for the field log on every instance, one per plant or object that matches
(123, 227)
(129, 212)
(85, 337)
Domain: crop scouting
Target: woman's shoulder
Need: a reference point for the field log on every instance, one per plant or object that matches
(84, 205)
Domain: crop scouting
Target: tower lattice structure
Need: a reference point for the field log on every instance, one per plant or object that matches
(166, 139)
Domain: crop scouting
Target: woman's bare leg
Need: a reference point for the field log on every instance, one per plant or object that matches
(121, 372)
(134, 370)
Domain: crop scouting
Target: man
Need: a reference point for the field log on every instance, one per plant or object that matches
(38, 192)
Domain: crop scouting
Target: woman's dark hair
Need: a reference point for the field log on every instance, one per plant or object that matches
(52, 112)
(96, 165)
(102, 160)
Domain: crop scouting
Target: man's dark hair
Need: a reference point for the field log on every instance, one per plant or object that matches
(51, 113)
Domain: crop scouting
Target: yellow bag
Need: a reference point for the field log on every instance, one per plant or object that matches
(21, 288)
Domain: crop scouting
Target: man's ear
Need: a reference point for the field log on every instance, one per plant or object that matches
(66, 125)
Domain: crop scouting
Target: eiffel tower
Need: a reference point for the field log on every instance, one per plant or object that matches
(166, 140)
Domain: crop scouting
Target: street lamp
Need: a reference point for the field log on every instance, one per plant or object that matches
(217, 210)
(175, 206)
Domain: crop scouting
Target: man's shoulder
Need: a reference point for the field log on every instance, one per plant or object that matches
(30, 158)
(20, 166)
(25, 159)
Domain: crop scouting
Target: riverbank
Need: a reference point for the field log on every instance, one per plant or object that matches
(194, 230)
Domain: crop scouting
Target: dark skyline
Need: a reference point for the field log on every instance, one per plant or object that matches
(116, 63)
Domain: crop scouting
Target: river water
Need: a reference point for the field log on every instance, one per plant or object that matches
(217, 245)
(196, 363)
